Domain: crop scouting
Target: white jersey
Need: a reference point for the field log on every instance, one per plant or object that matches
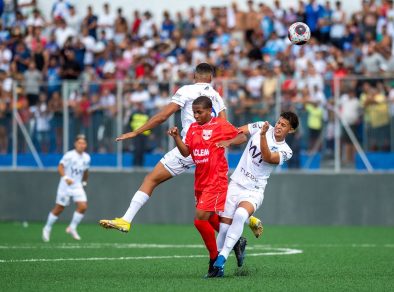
(185, 96)
(75, 165)
(252, 172)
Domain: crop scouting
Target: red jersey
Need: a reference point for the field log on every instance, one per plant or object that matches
(211, 164)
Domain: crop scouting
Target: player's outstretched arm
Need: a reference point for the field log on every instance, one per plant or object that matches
(183, 148)
(266, 154)
(153, 122)
(239, 139)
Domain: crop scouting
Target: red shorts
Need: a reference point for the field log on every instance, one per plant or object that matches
(213, 202)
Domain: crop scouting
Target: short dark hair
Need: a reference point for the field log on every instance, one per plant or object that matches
(80, 137)
(292, 118)
(204, 68)
(205, 101)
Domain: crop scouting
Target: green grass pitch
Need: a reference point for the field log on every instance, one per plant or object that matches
(172, 258)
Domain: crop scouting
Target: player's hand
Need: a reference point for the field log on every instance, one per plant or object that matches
(173, 132)
(68, 181)
(126, 136)
(223, 144)
(265, 128)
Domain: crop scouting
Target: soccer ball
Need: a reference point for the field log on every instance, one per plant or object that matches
(299, 33)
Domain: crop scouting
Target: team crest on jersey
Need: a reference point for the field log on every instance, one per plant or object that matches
(206, 134)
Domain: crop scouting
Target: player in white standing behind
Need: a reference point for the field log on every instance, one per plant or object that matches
(73, 170)
(265, 150)
(173, 163)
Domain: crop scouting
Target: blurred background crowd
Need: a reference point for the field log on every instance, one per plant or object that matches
(101, 67)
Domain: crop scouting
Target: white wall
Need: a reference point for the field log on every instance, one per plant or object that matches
(158, 6)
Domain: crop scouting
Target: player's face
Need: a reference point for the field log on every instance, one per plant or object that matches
(80, 145)
(201, 114)
(282, 128)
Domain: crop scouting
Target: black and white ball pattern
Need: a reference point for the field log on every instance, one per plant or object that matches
(299, 33)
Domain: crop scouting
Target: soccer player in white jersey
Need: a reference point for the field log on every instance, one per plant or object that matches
(265, 150)
(73, 170)
(173, 163)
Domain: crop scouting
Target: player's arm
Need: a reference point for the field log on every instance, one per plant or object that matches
(266, 154)
(63, 176)
(153, 122)
(182, 147)
(237, 140)
(85, 178)
(222, 115)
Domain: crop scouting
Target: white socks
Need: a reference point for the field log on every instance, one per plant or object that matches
(77, 217)
(235, 231)
(221, 237)
(139, 199)
(50, 221)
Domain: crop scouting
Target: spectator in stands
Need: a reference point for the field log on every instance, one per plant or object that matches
(73, 19)
(138, 118)
(350, 110)
(337, 31)
(61, 8)
(377, 118)
(121, 27)
(106, 22)
(147, 27)
(55, 107)
(42, 123)
(21, 58)
(90, 21)
(33, 78)
(315, 123)
(70, 69)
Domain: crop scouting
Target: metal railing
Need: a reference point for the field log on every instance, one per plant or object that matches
(108, 105)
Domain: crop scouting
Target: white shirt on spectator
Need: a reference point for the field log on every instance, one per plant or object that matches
(5, 59)
(139, 96)
(350, 109)
(74, 21)
(106, 22)
(61, 8)
(146, 28)
(62, 34)
(254, 85)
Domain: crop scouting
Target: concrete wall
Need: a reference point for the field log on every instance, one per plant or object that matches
(295, 199)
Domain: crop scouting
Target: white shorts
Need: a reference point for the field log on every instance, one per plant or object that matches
(65, 194)
(175, 163)
(237, 194)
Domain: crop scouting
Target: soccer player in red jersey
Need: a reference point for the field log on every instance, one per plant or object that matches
(202, 143)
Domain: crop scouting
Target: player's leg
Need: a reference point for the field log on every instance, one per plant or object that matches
(172, 164)
(78, 215)
(234, 232)
(151, 181)
(62, 200)
(201, 222)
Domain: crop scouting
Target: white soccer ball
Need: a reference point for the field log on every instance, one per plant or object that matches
(299, 33)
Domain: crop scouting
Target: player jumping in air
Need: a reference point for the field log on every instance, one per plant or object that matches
(210, 185)
(173, 163)
(265, 150)
(73, 170)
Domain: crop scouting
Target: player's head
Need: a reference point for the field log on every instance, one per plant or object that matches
(80, 143)
(203, 73)
(202, 109)
(287, 123)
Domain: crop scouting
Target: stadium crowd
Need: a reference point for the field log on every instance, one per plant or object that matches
(92, 52)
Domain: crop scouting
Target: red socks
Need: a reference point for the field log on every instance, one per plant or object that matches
(208, 235)
(214, 221)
